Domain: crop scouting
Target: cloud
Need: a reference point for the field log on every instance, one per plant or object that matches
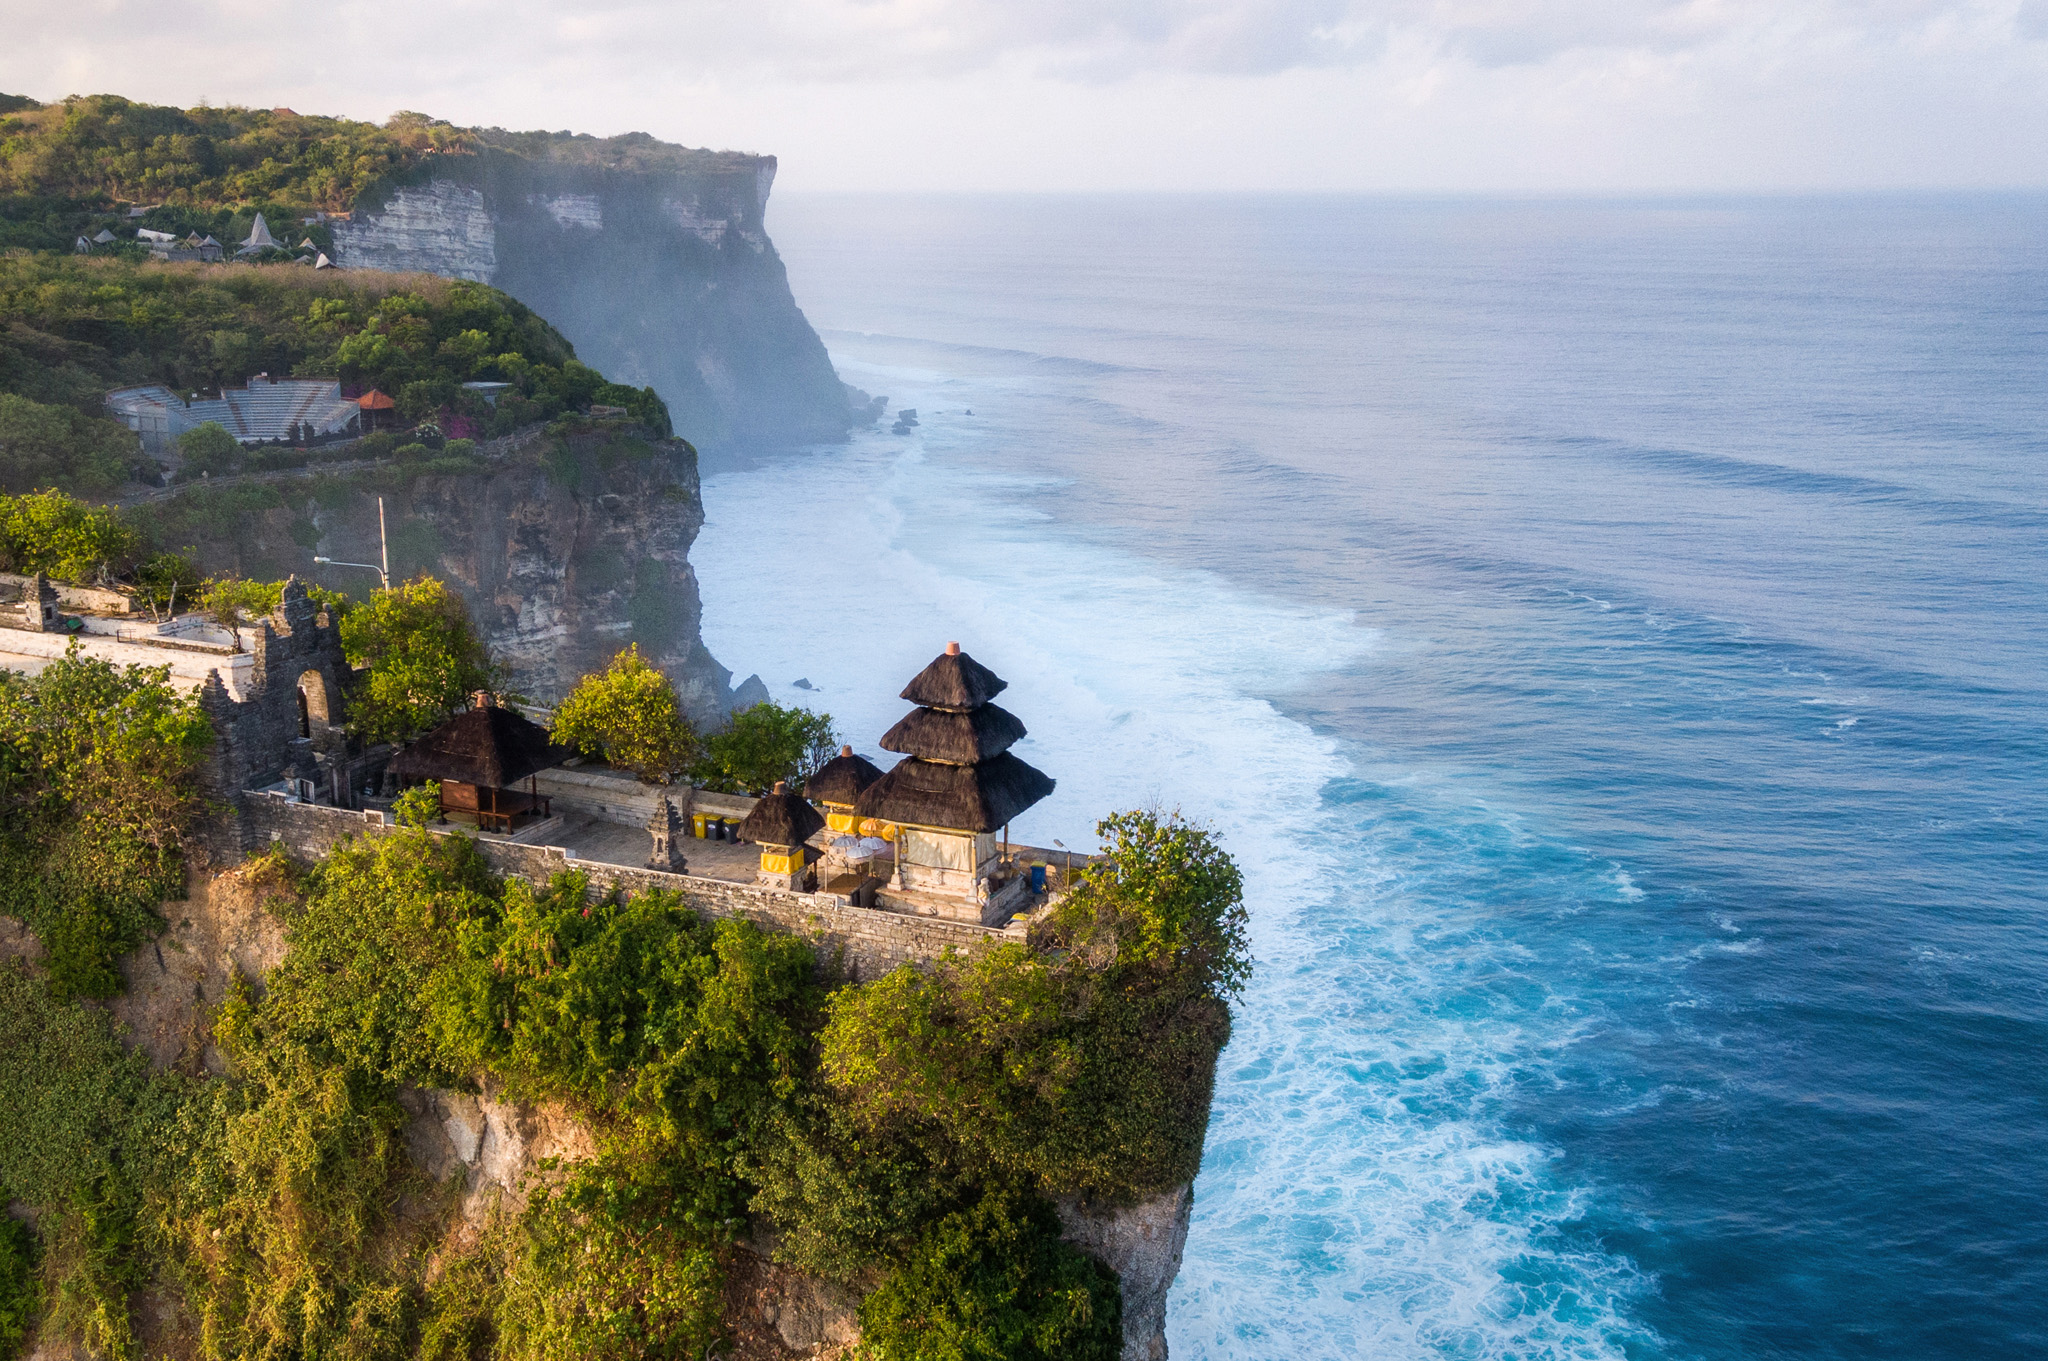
(1147, 93)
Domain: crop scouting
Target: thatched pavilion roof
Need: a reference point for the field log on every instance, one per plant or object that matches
(490, 746)
(976, 798)
(781, 819)
(841, 779)
(955, 737)
(954, 680)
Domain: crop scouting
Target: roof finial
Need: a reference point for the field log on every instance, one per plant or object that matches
(483, 699)
(845, 750)
(952, 649)
(782, 786)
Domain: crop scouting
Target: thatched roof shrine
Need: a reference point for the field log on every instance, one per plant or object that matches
(781, 819)
(841, 779)
(955, 681)
(959, 773)
(489, 746)
(960, 738)
(976, 798)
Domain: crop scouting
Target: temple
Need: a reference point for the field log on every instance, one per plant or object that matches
(955, 791)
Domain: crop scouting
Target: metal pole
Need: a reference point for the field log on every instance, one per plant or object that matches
(383, 546)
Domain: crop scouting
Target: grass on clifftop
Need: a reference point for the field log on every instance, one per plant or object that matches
(73, 328)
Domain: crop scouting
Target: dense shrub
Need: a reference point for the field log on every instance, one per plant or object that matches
(993, 1282)
(73, 1098)
(17, 1285)
(98, 787)
(98, 147)
(42, 444)
(904, 1132)
(51, 533)
(424, 656)
(764, 743)
(72, 328)
(629, 714)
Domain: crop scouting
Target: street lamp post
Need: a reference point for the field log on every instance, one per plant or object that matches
(383, 571)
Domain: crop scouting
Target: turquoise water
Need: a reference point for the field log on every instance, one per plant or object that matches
(1613, 637)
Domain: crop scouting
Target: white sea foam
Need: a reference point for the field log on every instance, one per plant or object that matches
(1357, 1198)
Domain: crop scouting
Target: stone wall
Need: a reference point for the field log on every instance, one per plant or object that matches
(298, 660)
(867, 941)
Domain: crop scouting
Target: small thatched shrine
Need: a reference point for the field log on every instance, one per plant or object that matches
(480, 757)
(957, 788)
(781, 823)
(838, 785)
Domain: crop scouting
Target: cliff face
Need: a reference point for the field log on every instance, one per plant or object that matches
(499, 1149)
(565, 553)
(654, 261)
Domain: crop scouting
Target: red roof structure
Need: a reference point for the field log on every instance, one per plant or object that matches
(374, 400)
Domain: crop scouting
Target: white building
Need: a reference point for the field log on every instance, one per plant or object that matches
(269, 410)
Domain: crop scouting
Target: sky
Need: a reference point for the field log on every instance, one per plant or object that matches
(1515, 96)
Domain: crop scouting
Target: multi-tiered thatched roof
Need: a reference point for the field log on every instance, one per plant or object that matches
(958, 772)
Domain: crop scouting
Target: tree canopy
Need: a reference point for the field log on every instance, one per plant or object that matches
(629, 714)
(425, 659)
(59, 161)
(764, 743)
(99, 770)
(71, 329)
(51, 533)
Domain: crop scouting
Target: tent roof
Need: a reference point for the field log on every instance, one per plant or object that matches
(490, 745)
(977, 798)
(841, 779)
(781, 819)
(954, 680)
(950, 735)
(374, 400)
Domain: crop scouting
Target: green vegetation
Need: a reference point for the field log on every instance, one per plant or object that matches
(629, 714)
(209, 449)
(993, 1282)
(64, 166)
(17, 1285)
(424, 658)
(98, 790)
(765, 743)
(42, 444)
(905, 1133)
(71, 329)
(51, 533)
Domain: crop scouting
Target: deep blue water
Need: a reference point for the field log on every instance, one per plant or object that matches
(1614, 637)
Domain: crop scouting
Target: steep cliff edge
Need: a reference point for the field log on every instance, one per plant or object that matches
(488, 1152)
(654, 260)
(566, 548)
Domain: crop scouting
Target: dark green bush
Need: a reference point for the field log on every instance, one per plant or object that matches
(98, 783)
(17, 1286)
(994, 1282)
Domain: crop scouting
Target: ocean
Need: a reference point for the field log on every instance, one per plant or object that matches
(1613, 638)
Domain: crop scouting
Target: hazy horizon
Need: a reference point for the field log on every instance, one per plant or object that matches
(1666, 97)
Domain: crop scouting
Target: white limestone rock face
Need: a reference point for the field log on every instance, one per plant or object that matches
(436, 228)
(1142, 1244)
(661, 274)
(497, 1147)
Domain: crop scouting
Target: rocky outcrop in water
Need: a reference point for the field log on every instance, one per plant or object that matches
(654, 260)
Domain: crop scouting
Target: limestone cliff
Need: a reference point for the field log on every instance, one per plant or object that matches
(491, 1151)
(654, 261)
(565, 550)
